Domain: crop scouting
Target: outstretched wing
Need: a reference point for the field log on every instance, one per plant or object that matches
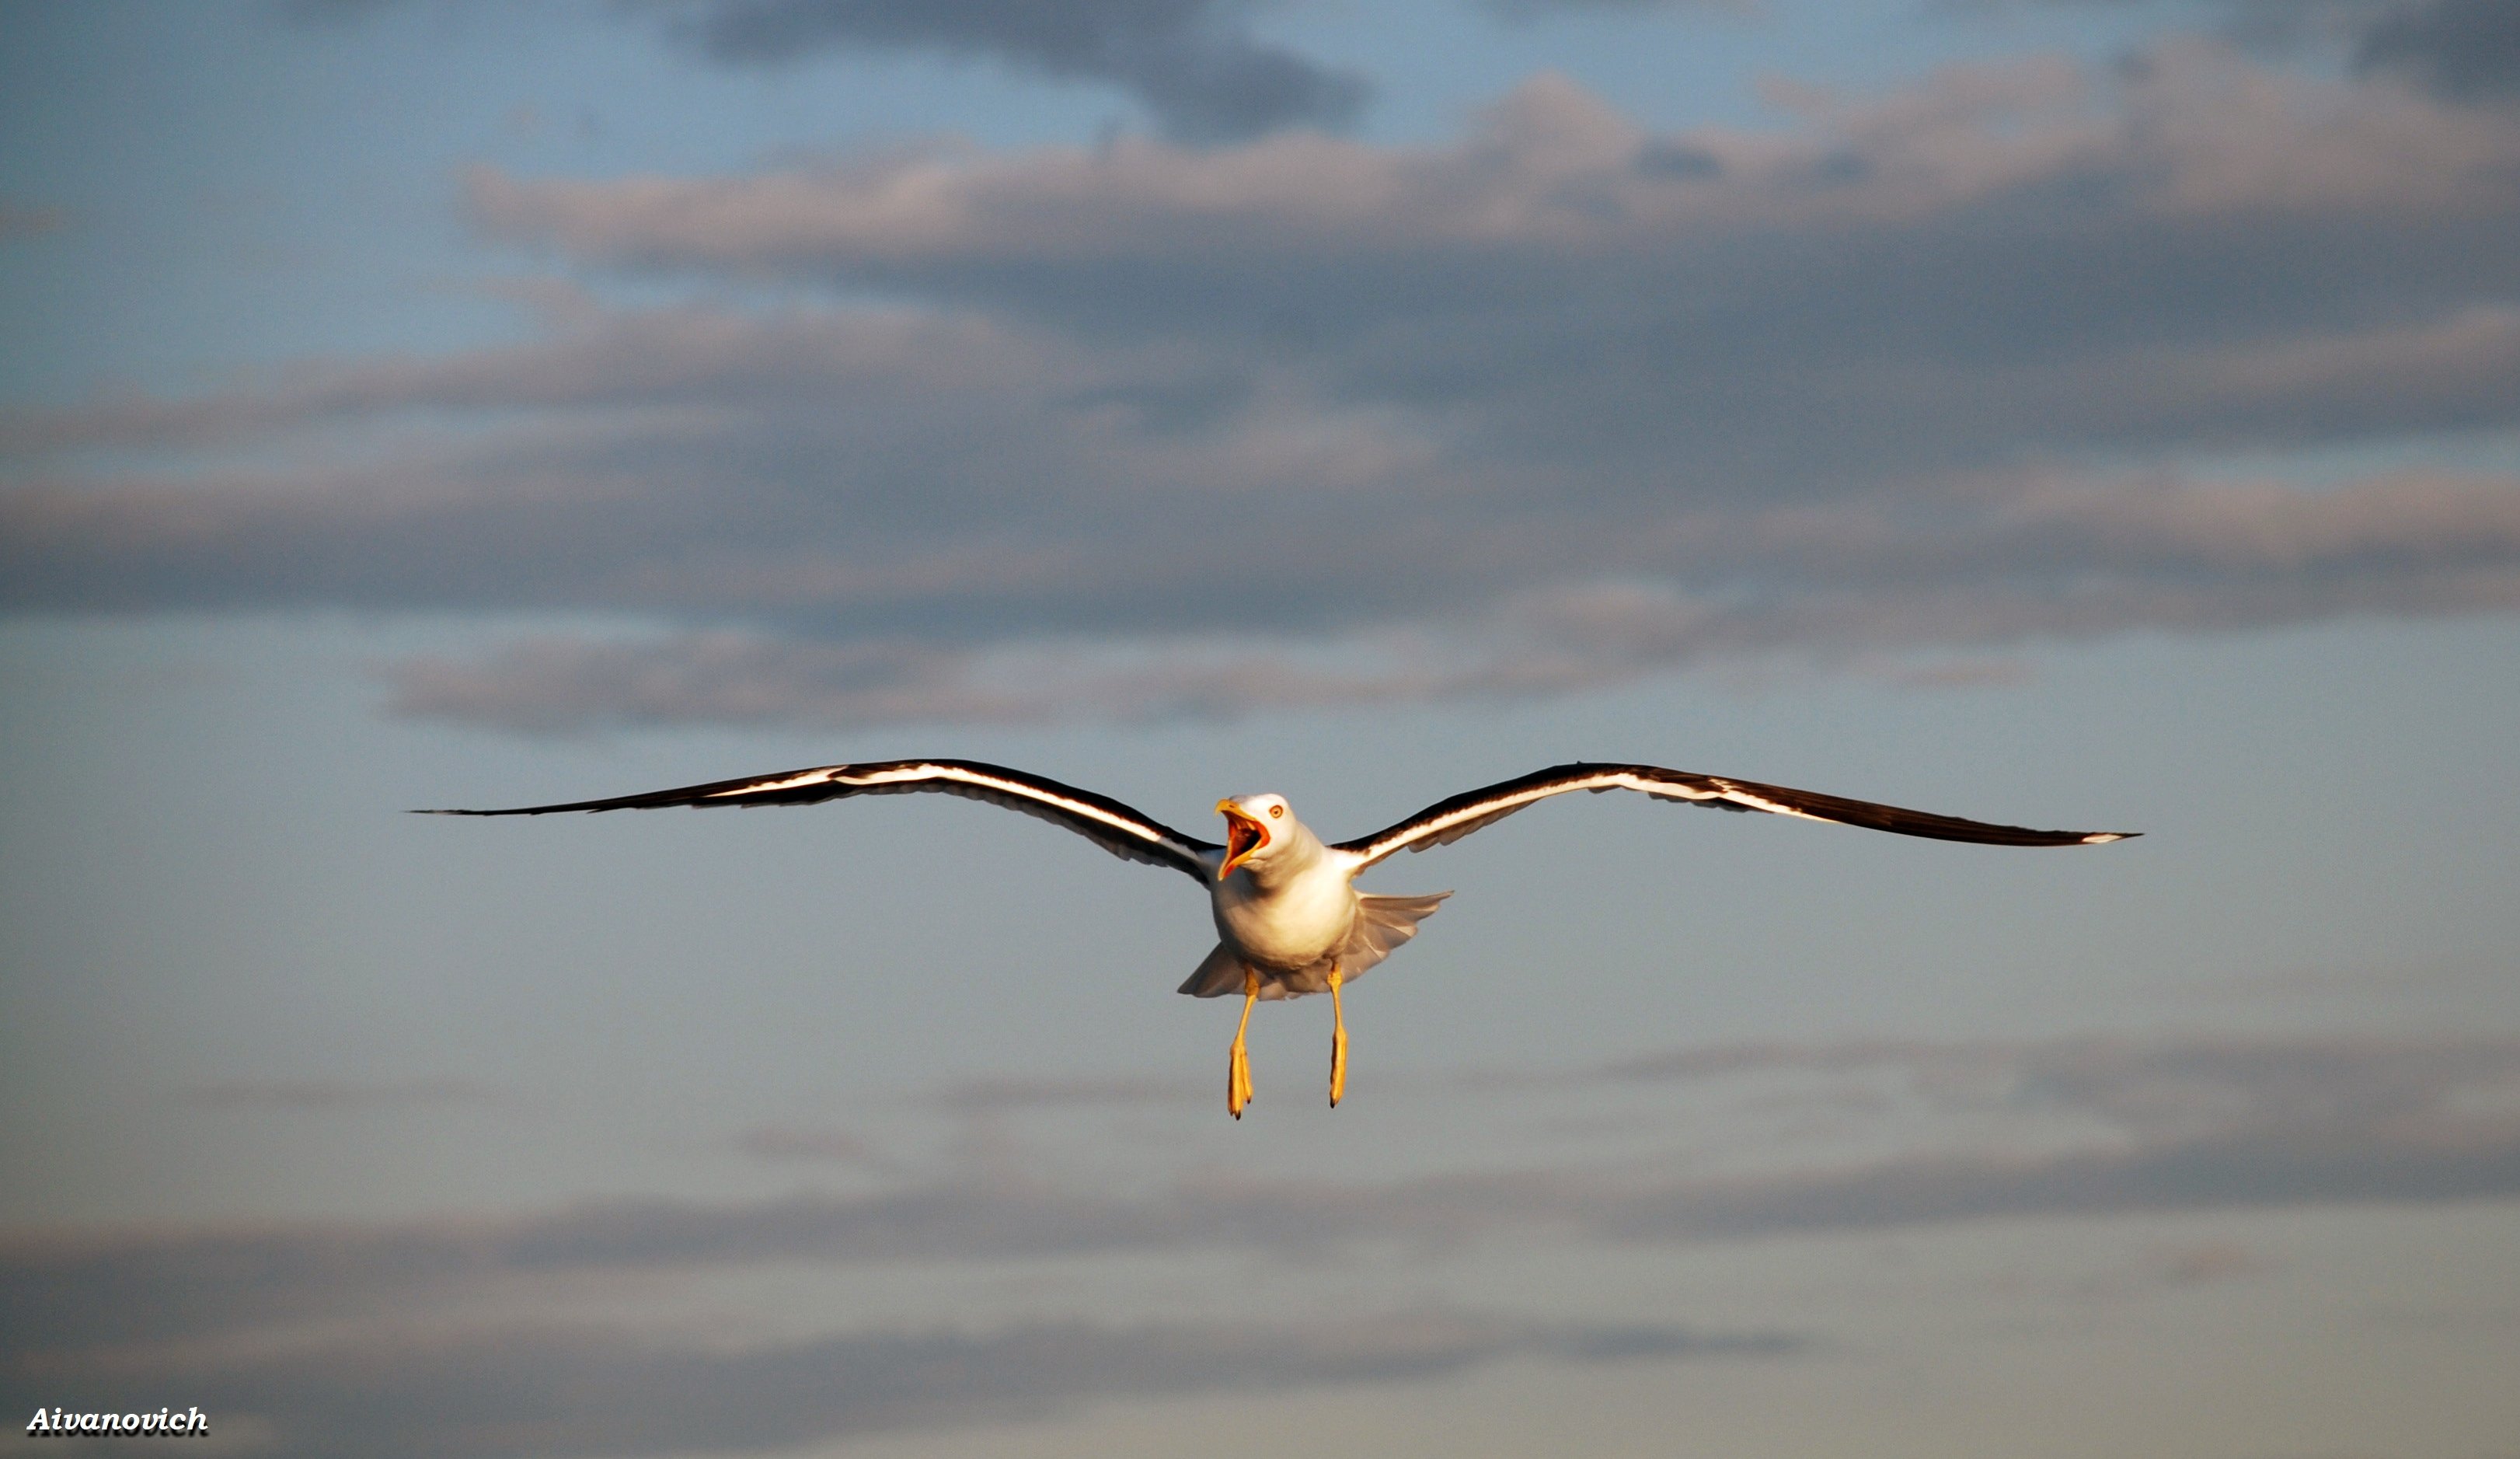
(1106, 822)
(1450, 820)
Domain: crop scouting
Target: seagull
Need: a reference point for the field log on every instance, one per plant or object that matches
(1290, 921)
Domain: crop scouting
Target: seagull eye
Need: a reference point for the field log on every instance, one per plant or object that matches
(1276, 810)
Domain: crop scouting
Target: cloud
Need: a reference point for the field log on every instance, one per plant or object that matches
(1195, 64)
(2266, 21)
(2260, 1169)
(583, 1390)
(342, 1095)
(2051, 561)
(2466, 49)
(1533, 9)
(1151, 431)
(2157, 1126)
(789, 1142)
(2202, 1262)
(330, 12)
(1554, 187)
(980, 1097)
(404, 1338)
(1961, 673)
(18, 221)
(2462, 50)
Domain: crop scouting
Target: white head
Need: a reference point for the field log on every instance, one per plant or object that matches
(1257, 828)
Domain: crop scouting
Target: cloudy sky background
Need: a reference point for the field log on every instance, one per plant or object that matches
(2074, 412)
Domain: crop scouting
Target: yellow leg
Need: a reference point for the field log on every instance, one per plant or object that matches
(1338, 1040)
(1238, 1074)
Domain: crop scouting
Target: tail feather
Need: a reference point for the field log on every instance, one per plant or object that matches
(1382, 922)
(1219, 974)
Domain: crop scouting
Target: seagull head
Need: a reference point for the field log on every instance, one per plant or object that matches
(1254, 826)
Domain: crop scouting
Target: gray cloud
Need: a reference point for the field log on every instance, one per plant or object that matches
(2463, 50)
(2265, 22)
(338, 1095)
(332, 1338)
(20, 220)
(1192, 64)
(2052, 561)
(2017, 212)
(1195, 64)
(2204, 1174)
(1153, 432)
(990, 1096)
(781, 1142)
(330, 12)
(2467, 49)
(1533, 9)
(2191, 1125)
(552, 1390)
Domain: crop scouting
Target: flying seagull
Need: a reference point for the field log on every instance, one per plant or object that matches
(1288, 920)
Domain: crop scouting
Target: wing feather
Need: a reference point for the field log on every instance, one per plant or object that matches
(1451, 819)
(1117, 828)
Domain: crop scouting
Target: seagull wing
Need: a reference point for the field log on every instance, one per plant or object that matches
(1450, 820)
(1108, 824)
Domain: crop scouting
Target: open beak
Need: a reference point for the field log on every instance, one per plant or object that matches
(1242, 836)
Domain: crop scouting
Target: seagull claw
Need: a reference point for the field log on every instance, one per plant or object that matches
(1237, 1075)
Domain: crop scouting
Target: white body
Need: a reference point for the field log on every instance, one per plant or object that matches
(1288, 911)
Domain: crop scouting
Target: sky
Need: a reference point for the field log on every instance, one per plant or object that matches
(2087, 413)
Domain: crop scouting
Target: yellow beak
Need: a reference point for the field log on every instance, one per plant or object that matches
(1243, 835)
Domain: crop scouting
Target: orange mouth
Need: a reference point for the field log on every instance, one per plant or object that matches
(1242, 836)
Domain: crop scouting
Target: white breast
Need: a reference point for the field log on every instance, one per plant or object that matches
(1291, 923)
